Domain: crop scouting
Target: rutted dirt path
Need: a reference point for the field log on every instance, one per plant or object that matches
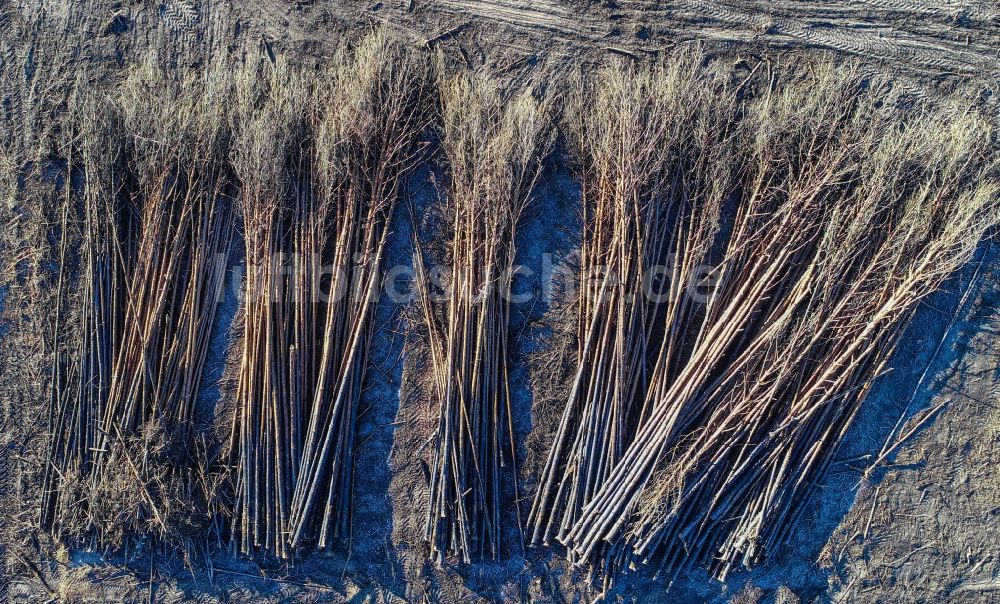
(956, 38)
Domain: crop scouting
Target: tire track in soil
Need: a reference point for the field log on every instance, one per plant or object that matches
(853, 31)
(943, 37)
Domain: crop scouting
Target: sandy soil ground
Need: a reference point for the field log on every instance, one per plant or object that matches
(935, 39)
(920, 528)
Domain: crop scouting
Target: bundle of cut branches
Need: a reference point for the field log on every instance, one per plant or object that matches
(321, 161)
(121, 457)
(844, 212)
(495, 144)
(654, 148)
(268, 160)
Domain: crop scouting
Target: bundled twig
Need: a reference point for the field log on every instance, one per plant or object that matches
(842, 216)
(268, 156)
(318, 187)
(654, 164)
(156, 232)
(375, 110)
(495, 146)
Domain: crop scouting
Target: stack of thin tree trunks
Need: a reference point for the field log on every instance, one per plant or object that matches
(153, 199)
(321, 162)
(495, 143)
(759, 251)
